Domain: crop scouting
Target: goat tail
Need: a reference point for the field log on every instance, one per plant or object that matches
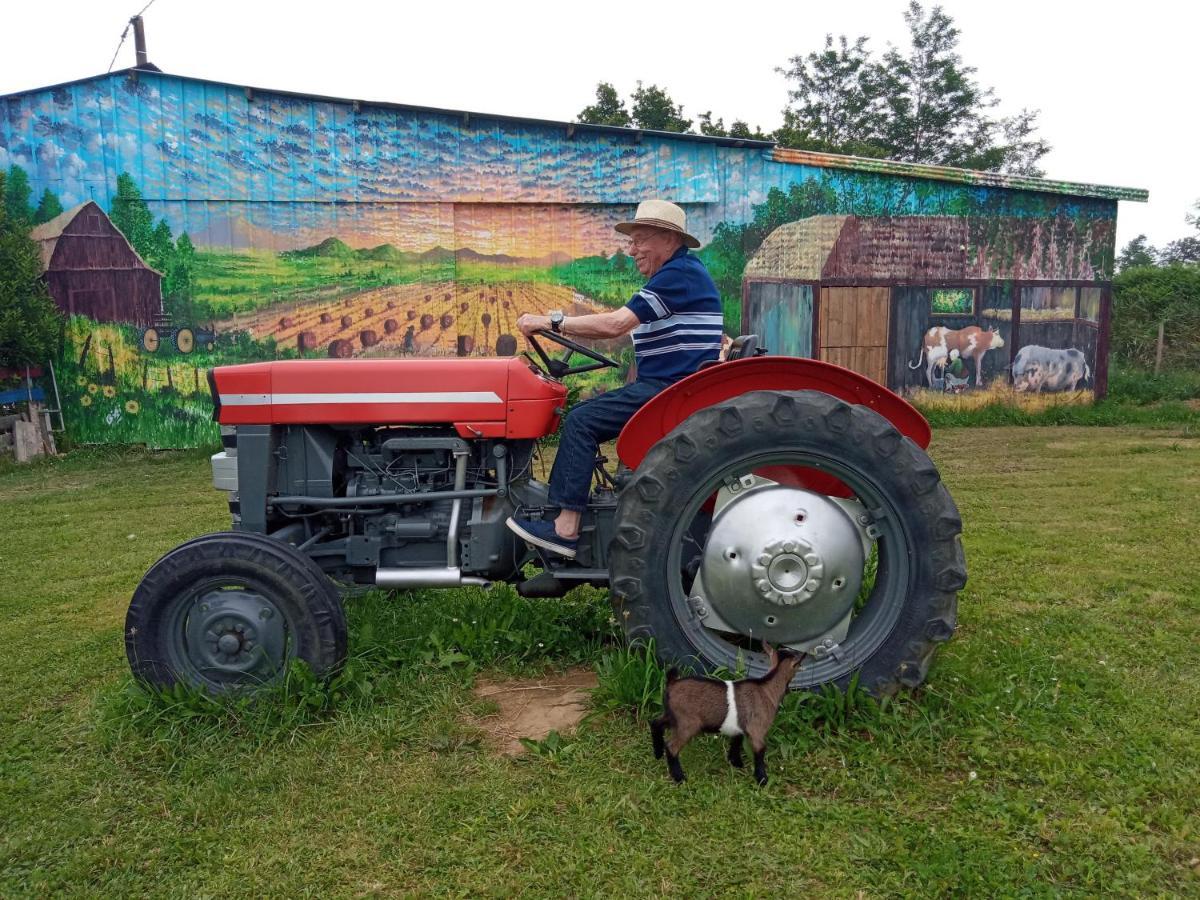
(656, 735)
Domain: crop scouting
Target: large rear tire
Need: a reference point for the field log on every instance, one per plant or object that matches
(230, 611)
(898, 621)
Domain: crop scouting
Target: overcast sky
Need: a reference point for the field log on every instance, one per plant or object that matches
(1116, 83)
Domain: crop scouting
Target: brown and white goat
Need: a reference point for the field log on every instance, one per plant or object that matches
(734, 708)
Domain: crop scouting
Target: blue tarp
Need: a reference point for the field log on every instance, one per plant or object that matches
(21, 395)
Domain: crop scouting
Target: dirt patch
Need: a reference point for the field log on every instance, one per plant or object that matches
(532, 708)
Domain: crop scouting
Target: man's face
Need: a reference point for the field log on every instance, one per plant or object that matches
(651, 247)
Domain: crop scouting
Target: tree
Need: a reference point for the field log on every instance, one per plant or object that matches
(711, 128)
(654, 110)
(919, 105)
(1182, 252)
(1138, 252)
(609, 108)
(835, 105)
(30, 325)
(16, 195)
(48, 207)
(132, 216)
(740, 129)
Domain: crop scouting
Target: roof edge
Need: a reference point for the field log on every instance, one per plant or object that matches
(958, 176)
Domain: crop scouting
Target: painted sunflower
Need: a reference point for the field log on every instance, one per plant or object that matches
(110, 391)
(81, 380)
(85, 400)
(132, 407)
(93, 387)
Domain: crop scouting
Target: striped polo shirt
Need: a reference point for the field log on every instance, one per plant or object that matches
(680, 312)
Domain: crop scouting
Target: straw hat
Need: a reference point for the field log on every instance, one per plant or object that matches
(660, 214)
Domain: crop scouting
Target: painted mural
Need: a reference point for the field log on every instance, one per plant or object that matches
(206, 224)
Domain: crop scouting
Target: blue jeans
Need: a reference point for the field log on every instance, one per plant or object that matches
(587, 426)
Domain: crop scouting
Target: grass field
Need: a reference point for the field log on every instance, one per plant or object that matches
(1055, 749)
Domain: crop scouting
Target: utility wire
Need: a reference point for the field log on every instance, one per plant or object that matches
(125, 34)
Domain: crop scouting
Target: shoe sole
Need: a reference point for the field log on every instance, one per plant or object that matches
(537, 541)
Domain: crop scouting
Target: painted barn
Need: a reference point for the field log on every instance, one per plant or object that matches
(938, 302)
(92, 270)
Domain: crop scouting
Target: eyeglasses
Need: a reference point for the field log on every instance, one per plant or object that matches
(641, 240)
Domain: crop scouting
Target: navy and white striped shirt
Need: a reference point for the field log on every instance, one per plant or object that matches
(680, 312)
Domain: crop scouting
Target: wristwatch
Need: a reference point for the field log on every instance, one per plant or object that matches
(556, 321)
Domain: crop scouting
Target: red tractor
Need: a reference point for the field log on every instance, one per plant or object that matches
(762, 498)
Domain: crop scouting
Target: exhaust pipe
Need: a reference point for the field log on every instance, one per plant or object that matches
(427, 578)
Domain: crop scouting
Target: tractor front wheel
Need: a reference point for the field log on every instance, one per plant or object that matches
(794, 518)
(230, 611)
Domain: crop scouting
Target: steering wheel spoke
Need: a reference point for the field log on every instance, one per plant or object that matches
(559, 368)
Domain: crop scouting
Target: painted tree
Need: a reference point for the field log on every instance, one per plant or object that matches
(30, 325)
(609, 108)
(48, 207)
(16, 195)
(132, 216)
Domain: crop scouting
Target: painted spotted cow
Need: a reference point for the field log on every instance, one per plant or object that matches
(971, 343)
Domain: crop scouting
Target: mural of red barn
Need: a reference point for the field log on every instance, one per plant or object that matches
(91, 269)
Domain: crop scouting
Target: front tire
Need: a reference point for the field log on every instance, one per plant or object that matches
(230, 611)
(912, 605)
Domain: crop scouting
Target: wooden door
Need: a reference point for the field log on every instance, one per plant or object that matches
(854, 329)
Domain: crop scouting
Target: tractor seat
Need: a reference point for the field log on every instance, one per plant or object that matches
(743, 346)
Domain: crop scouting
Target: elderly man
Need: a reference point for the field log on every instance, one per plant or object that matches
(676, 325)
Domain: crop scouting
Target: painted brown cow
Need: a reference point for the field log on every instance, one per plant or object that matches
(971, 343)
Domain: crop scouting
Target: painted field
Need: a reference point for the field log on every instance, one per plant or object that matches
(428, 318)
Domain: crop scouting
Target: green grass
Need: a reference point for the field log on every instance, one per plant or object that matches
(1071, 691)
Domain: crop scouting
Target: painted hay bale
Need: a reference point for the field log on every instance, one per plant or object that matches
(463, 307)
(347, 321)
(370, 311)
(391, 304)
(447, 320)
(306, 340)
(368, 337)
(466, 345)
(506, 345)
(410, 315)
(341, 349)
(287, 322)
(486, 319)
(426, 322)
(391, 326)
(326, 318)
(507, 304)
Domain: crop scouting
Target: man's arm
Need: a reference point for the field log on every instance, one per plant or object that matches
(600, 326)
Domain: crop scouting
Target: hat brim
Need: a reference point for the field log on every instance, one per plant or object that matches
(627, 228)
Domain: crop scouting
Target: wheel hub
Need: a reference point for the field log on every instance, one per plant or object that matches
(780, 563)
(234, 633)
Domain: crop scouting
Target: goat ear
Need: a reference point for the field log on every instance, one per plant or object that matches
(772, 654)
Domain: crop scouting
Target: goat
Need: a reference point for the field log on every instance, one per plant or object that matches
(734, 708)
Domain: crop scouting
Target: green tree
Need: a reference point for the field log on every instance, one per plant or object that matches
(30, 326)
(1144, 297)
(132, 216)
(48, 207)
(922, 104)
(1138, 252)
(834, 105)
(653, 109)
(740, 129)
(609, 108)
(1182, 252)
(711, 128)
(16, 195)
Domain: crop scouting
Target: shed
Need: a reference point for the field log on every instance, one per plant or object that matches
(92, 270)
(892, 297)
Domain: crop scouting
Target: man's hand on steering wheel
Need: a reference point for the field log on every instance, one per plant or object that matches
(528, 323)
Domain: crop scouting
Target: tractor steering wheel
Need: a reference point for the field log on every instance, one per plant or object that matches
(557, 368)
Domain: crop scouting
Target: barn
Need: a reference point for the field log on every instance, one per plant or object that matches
(892, 296)
(92, 270)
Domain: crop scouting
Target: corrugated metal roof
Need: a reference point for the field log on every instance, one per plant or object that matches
(774, 152)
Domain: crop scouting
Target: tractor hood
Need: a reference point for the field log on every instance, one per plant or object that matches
(501, 398)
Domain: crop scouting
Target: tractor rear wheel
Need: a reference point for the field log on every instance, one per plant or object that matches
(720, 545)
(230, 611)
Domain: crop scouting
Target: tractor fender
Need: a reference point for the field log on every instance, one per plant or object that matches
(715, 384)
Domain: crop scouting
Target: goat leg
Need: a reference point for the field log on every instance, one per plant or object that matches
(675, 769)
(657, 727)
(760, 767)
(735, 752)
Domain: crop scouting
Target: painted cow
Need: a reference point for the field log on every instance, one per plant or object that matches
(1036, 369)
(971, 343)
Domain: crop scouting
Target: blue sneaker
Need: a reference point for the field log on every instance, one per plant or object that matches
(541, 533)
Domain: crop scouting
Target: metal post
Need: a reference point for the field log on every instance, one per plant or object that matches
(1159, 349)
(139, 42)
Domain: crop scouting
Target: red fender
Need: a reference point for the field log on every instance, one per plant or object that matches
(765, 373)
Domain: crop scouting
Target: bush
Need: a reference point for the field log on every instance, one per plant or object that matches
(1145, 296)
